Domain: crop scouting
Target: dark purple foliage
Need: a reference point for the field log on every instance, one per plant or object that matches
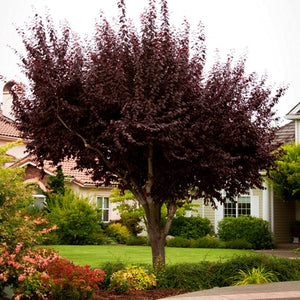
(137, 104)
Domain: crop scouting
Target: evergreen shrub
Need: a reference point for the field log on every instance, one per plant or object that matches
(253, 230)
(118, 232)
(77, 221)
(179, 242)
(191, 227)
(136, 240)
(238, 244)
(205, 274)
(109, 268)
(206, 242)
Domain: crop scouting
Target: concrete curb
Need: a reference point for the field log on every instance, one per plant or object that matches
(276, 290)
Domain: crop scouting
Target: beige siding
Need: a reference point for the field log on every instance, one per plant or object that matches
(205, 211)
(92, 193)
(284, 215)
(209, 214)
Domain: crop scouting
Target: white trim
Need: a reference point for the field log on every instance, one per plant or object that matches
(103, 208)
(272, 209)
(266, 202)
(297, 131)
(36, 166)
(219, 214)
(293, 114)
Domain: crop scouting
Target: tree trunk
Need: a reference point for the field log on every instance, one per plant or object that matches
(156, 233)
(157, 241)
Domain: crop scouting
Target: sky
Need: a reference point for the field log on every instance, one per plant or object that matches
(268, 31)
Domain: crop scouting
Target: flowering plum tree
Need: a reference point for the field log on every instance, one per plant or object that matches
(134, 105)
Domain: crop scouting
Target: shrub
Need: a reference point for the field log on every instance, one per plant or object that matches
(131, 212)
(71, 282)
(205, 275)
(238, 244)
(186, 276)
(191, 227)
(297, 250)
(119, 232)
(77, 221)
(109, 268)
(136, 240)
(206, 242)
(254, 276)
(179, 242)
(253, 230)
(132, 278)
(41, 273)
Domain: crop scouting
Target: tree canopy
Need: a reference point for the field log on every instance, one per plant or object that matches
(135, 105)
(285, 174)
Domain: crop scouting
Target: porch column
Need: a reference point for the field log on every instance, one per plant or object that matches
(266, 202)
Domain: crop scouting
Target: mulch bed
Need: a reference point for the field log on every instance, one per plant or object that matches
(139, 295)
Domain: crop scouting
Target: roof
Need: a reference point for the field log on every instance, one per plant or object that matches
(8, 128)
(69, 169)
(294, 113)
(82, 178)
(286, 133)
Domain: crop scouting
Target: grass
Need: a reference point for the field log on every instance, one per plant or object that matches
(97, 255)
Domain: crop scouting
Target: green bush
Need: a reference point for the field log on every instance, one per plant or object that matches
(253, 230)
(136, 240)
(77, 221)
(205, 275)
(191, 228)
(118, 232)
(132, 278)
(206, 242)
(238, 244)
(109, 268)
(186, 276)
(179, 242)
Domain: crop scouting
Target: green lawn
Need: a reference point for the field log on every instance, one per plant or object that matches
(97, 255)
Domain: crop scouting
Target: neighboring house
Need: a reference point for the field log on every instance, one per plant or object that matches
(79, 181)
(263, 203)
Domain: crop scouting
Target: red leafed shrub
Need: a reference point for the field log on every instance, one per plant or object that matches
(73, 282)
(43, 274)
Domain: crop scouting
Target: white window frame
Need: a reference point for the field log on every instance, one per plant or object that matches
(103, 208)
(37, 203)
(236, 208)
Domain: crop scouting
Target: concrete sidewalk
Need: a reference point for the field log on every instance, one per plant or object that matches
(276, 290)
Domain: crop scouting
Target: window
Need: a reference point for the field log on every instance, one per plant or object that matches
(242, 207)
(103, 206)
(39, 199)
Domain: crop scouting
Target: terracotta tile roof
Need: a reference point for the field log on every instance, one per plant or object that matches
(8, 128)
(286, 133)
(68, 168)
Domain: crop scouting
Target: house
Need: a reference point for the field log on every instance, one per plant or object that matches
(259, 203)
(264, 203)
(80, 181)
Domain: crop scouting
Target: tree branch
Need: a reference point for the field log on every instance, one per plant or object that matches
(171, 212)
(121, 174)
(149, 183)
